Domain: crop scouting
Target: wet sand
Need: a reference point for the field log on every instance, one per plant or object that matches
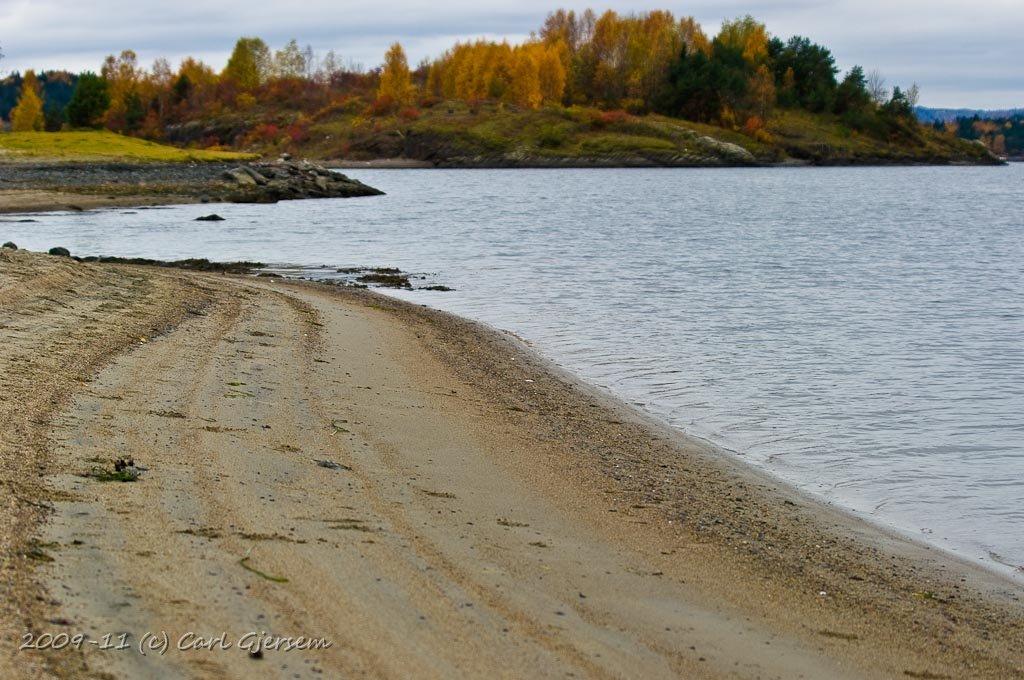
(44, 200)
(421, 491)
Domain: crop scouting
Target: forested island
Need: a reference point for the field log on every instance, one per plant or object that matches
(585, 89)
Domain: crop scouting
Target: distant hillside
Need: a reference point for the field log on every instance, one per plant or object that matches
(928, 115)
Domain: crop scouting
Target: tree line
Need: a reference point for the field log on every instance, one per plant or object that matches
(642, 63)
(1003, 136)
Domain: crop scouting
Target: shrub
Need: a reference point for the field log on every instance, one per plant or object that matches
(635, 106)
(245, 101)
(344, 105)
(607, 119)
(552, 136)
(265, 132)
(381, 106)
(409, 113)
(298, 131)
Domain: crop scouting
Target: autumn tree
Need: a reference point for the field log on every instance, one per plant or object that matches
(693, 36)
(249, 64)
(525, 87)
(290, 61)
(877, 87)
(913, 95)
(551, 61)
(761, 89)
(605, 57)
(396, 80)
(327, 68)
(27, 116)
(434, 86)
(747, 35)
(195, 85)
(123, 77)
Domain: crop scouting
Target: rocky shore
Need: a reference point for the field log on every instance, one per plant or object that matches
(61, 186)
(284, 180)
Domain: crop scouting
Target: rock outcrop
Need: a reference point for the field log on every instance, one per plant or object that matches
(286, 180)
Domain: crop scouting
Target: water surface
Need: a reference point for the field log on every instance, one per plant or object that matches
(859, 332)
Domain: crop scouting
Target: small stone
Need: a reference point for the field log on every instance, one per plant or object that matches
(331, 465)
(239, 176)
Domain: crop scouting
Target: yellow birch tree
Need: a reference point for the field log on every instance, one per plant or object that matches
(396, 80)
(28, 114)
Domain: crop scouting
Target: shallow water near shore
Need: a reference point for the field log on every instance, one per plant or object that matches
(857, 331)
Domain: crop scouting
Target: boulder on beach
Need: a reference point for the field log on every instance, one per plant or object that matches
(214, 217)
(10, 246)
(239, 176)
(59, 251)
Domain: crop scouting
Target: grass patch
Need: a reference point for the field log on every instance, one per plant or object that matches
(437, 494)
(36, 553)
(348, 524)
(510, 523)
(98, 145)
(167, 414)
(102, 474)
(202, 532)
(244, 562)
(613, 143)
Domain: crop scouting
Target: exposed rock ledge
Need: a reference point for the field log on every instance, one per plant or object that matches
(285, 180)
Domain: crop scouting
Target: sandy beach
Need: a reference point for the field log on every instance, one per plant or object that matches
(422, 492)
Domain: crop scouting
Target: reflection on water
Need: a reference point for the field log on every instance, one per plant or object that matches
(856, 331)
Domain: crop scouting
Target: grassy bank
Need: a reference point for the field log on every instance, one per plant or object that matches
(457, 134)
(100, 145)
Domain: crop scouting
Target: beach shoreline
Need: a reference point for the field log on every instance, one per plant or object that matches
(727, 550)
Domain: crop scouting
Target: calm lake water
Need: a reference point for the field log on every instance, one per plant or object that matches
(858, 332)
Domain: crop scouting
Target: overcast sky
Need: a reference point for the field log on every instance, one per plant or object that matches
(962, 54)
